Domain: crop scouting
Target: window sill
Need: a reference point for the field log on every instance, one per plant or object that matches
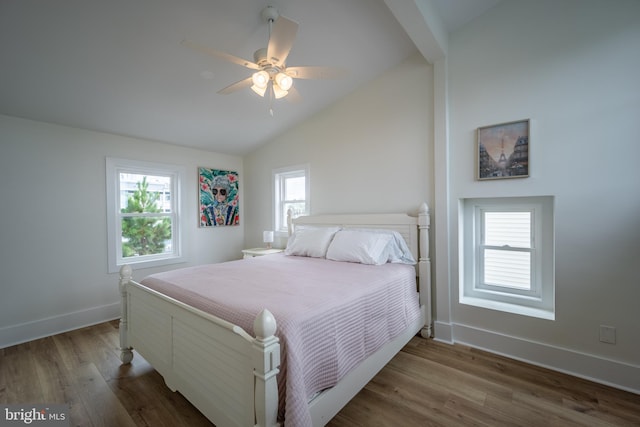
(509, 308)
(142, 264)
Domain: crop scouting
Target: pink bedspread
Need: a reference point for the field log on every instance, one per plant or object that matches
(330, 315)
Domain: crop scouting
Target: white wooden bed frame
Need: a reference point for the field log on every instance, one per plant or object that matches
(229, 375)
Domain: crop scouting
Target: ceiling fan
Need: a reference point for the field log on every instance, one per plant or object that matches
(272, 76)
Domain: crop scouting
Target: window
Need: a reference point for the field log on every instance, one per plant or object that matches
(291, 187)
(505, 244)
(507, 255)
(142, 214)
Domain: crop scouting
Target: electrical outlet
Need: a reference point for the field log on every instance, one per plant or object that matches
(607, 334)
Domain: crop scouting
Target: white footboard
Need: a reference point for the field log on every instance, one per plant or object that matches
(223, 371)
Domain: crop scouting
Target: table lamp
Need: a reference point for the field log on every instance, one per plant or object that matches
(267, 237)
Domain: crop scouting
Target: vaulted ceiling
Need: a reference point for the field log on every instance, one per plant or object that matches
(118, 66)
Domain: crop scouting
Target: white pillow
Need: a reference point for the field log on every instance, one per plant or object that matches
(310, 241)
(398, 251)
(360, 246)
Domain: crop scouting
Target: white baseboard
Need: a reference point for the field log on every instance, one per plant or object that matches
(593, 368)
(24, 332)
(443, 332)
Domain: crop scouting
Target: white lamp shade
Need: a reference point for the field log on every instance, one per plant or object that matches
(260, 79)
(284, 81)
(259, 90)
(267, 236)
(278, 92)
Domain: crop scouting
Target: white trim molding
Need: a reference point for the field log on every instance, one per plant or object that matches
(443, 332)
(624, 376)
(29, 331)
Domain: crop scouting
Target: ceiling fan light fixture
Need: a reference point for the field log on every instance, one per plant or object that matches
(260, 79)
(259, 90)
(284, 81)
(278, 92)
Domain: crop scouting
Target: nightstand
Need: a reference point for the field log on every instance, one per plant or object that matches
(254, 252)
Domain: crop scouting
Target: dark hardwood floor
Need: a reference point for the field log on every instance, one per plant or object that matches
(426, 384)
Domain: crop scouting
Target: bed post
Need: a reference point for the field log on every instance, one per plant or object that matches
(266, 358)
(424, 267)
(126, 355)
(289, 222)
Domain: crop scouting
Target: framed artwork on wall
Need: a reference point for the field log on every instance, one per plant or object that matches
(503, 150)
(218, 197)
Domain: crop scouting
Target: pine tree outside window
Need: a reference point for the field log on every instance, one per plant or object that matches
(143, 214)
(146, 222)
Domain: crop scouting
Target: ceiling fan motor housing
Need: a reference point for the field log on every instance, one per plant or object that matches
(260, 58)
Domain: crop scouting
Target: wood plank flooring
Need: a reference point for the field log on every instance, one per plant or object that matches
(426, 384)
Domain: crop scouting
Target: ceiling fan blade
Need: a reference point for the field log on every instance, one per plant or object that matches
(236, 86)
(316, 72)
(222, 55)
(283, 33)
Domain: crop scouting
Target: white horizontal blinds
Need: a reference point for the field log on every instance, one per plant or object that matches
(507, 229)
(506, 249)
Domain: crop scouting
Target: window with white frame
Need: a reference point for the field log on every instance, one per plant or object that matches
(291, 191)
(143, 213)
(507, 255)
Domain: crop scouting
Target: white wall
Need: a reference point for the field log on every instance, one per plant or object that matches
(571, 66)
(53, 259)
(370, 152)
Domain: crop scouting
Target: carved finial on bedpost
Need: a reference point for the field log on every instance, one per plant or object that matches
(266, 358)
(126, 355)
(424, 266)
(290, 221)
(265, 325)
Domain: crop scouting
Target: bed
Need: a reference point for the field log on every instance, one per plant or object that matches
(228, 366)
